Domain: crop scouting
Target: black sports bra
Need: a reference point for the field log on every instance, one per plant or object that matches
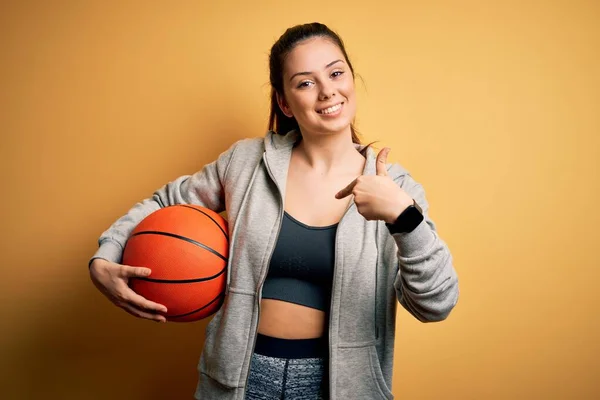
(301, 268)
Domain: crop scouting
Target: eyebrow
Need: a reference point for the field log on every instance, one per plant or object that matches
(308, 72)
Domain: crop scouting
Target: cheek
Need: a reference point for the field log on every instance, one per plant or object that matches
(301, 102)
(349, 93)
(348, 88)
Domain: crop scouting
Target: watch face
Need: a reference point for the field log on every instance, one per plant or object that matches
(407, 221)
(413, 219)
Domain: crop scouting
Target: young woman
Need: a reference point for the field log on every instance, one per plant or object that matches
(325, 238)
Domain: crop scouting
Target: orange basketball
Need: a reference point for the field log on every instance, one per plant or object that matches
(186, 247)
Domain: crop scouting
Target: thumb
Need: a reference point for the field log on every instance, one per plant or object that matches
(381, 161)
(134, 272)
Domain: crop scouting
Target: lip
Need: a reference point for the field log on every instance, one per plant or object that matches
(334, 113)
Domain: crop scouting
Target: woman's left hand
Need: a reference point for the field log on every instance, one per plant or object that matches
(377, 197)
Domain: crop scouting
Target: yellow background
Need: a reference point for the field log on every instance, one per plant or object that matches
(494, 106)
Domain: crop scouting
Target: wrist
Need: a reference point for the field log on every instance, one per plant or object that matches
(392, 217)
(397, 211)
(95, 263)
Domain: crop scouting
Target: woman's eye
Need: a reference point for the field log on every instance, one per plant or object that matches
(335, 74)
(304, 84)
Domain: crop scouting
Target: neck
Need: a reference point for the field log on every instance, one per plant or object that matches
(327, 153)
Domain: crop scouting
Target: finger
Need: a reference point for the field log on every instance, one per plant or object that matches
(346, 191)
(138, 301)
(142, 314)
(381, 161)
(133, 272)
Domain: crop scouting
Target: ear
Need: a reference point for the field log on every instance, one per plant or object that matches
(283, 105)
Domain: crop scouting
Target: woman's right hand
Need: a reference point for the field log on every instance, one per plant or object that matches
(112, 280)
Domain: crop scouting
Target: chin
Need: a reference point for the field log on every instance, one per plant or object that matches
(338, 127)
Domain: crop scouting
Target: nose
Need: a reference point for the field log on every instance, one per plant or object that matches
(327, 91)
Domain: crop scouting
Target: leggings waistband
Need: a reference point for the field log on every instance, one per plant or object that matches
(291, 348)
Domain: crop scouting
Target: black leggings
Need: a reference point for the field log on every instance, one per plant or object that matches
(285, 369)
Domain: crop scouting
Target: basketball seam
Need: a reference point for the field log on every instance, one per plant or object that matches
(175, 236)
(211, 218)
(155, 280)
(197, 310)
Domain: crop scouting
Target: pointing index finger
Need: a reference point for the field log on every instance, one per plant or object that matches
(346, 191)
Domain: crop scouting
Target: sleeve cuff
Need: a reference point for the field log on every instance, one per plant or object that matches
(109, 251)
(412, 243)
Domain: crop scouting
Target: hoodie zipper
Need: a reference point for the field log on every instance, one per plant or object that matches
(265, 270)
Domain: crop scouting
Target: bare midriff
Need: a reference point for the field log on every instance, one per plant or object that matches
(286, 320)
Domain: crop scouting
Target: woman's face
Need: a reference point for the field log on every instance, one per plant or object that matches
(318, 88)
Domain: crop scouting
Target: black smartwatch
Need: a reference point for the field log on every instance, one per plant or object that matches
(408, 221)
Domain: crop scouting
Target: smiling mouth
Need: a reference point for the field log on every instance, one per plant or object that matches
(330, 110)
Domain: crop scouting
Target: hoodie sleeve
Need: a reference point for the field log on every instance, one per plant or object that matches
(204, 188)
(426, 283)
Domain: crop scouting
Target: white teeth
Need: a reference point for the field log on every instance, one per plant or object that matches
(331, 109)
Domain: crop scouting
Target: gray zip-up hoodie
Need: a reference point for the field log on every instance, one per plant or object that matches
(372, 270)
